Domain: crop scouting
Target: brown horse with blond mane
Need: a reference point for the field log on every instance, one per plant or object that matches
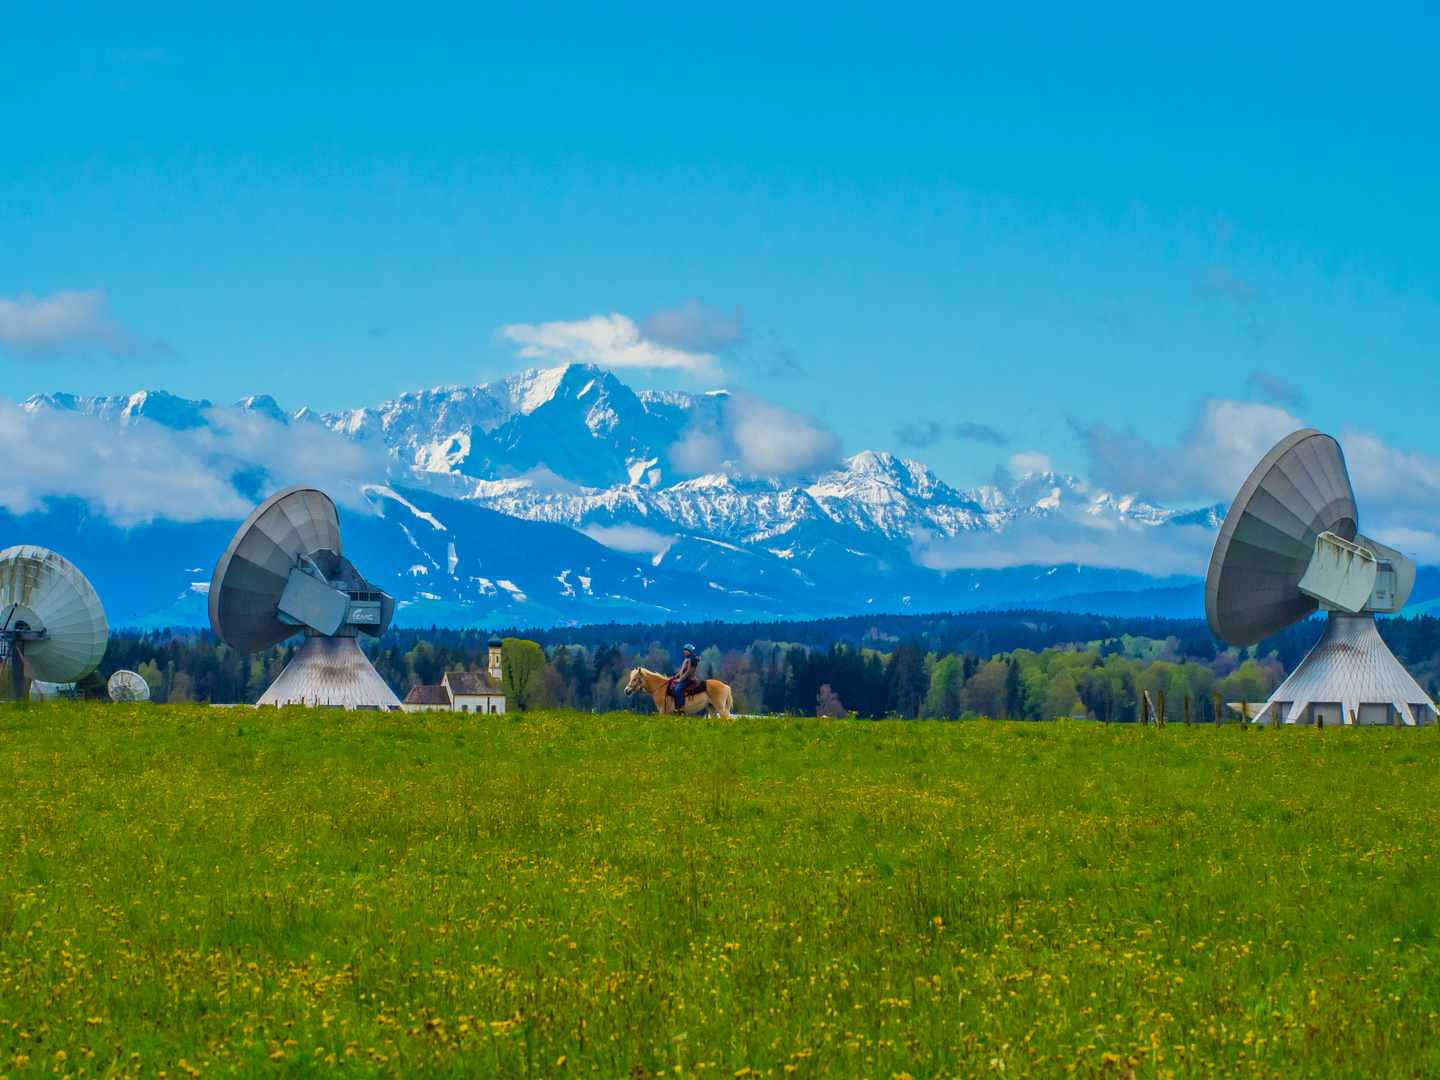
(715, 698)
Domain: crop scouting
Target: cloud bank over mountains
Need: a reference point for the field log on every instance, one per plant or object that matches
(754, 436)
(1397, 488)
(1213, 458)
(153, 456)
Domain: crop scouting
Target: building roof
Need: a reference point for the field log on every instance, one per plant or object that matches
(495, 640)
(472, 683)
(427, 695)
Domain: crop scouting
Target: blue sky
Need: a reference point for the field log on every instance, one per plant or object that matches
(1031, 220)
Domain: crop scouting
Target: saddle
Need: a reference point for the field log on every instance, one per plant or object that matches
(673, 688)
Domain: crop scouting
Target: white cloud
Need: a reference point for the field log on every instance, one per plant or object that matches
(694, 327)
(631, 539)
(779, 441)
(1071, 537)
(1273, 388)
(701, 450)
(545, 480)
(754, 436)
(1030, 461)
(139, 471)
(612, 341)
(1213, 459)
(64, 321)
(1397, 491)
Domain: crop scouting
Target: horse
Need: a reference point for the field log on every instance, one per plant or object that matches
(714, 698)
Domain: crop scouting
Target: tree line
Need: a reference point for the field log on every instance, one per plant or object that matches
(1103, 677)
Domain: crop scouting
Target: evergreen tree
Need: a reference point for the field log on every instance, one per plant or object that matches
(907, 680)
(1014, 698)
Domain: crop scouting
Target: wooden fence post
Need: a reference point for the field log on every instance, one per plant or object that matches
(1244, 713)
(1187, 709)
(1160, 712)
(1216, 717)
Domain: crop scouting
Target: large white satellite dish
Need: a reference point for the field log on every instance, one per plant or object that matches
(284, 573)
(1289, 546)
(52, 625)
(128, 686)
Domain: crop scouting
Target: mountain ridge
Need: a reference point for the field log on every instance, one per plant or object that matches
(575, 449)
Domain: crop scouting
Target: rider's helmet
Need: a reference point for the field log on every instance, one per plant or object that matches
(689, 648)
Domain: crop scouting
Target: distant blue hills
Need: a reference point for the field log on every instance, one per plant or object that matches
(158, 574)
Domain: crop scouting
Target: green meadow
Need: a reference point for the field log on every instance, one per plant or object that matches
(194, 891)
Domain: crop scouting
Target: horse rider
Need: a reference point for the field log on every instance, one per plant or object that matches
(684, 679)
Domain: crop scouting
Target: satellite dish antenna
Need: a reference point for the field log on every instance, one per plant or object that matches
(128, 686)
(284, 573)
(1290, 546)
(52, 625)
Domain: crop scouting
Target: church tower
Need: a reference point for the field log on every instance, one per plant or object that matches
(495, 658)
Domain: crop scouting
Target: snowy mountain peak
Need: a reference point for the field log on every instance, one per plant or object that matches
(534, 388)
(263, 405)
(164, 408)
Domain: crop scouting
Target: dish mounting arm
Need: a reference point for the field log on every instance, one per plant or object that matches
(1357, 576)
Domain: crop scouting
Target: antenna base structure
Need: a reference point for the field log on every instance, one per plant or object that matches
(1349, 677)
(13, 639)
(284, 573)
(1290, 547)
(331, 672)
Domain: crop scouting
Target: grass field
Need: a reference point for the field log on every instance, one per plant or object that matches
(192, 891)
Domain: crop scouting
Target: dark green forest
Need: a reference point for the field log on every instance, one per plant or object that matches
(1023, 665)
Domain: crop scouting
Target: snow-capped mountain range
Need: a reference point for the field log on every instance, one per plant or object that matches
(631, 505)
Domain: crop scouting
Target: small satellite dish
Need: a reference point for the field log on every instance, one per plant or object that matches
(1290, 546)
(128, 686)
(52, 625)
(284, 573)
